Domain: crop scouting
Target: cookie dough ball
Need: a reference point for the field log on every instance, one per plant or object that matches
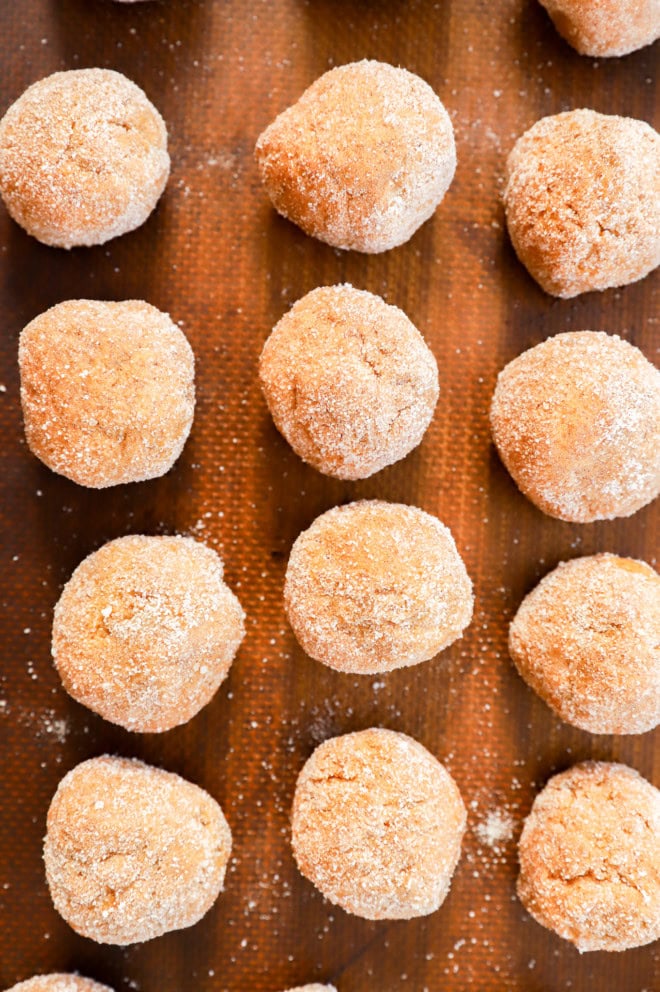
(606, 27)
(107, 389)
(59, 983)
(582, 201)
(377, 825)
(146, 630)
(576, 421)
(362, 159)
(83, 157)
(132, 852)
(590, 858)
(373, 586)
(314, 988)
(349, 381)
(587, 639)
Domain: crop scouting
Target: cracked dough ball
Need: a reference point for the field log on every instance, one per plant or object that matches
(377, 825)
(107, 390)
(362, 159)
(83, 157)
(373, 586)
(590, 858)
(146, 630)
(587, 640)
(132, 851)
(606, 27)
(349, 381)
(59, 983)
(582, 201)
(576, 421)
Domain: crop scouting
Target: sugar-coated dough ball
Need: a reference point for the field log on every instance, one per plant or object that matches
(349, 381)
(372, 586)
(83, 157)
(362, 159)
(576, 421)
(606, 27)
(590, 858)
(582, 201)
(314, 988)
(59, 983)
(146, 630)
(587, 639)
(132, 851)
(107, 389)
(377, 825)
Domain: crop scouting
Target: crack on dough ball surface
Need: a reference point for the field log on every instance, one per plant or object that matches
(132, 852)
(349, 381)
(83, 157)
(576, 421)
(587, 640)
(59, 982)
(377, 825)
(107, 390)
(605, 28)
(373, 586)
(582, 201)
(590, 858)
(146, 630)
(362, 159)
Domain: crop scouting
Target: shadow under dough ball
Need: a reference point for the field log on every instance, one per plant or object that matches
(83, 157)
(132, 852)
(604, 28)
(59, 982)
(582, 201)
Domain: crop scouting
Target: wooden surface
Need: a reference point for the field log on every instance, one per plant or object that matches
(223, 264)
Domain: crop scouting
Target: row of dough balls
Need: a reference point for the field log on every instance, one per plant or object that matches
(376, 825)
(360, 161)
(75, 983)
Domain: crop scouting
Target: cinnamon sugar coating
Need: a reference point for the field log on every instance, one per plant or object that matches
(83, 157)
(605, 28)
(576, 421)
(362, 159)
(349, 381)
(377, 825)
(373, 586)
(146, 630)
(107, 390)
(59, 983)
(582, 201)
(590, 858)
(587, 640)
(132, 852)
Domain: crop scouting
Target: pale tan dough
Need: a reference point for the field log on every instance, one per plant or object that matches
(362, 159)
(83, 157)
(146, 630)
(587, 639)
(372, 586)
(349, 381)
(605, 28)
(59, 983)
(576, 421)
(377, 824)
(590, 858)
(107, 389)
(582, 201)
(132, 852)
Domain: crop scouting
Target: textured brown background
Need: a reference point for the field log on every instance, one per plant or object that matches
(223, 264)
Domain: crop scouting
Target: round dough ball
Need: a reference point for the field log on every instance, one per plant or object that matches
(576, 421)
(83, 157)
(349, 381)
(108, 391)
(606, 27)
(377, 825)
(132, 851)
(590, 858)
(362, 159)
(146, 630)
(314, 988)
(59, 983)
(373, 586)
(582, 201)
(587, 640)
